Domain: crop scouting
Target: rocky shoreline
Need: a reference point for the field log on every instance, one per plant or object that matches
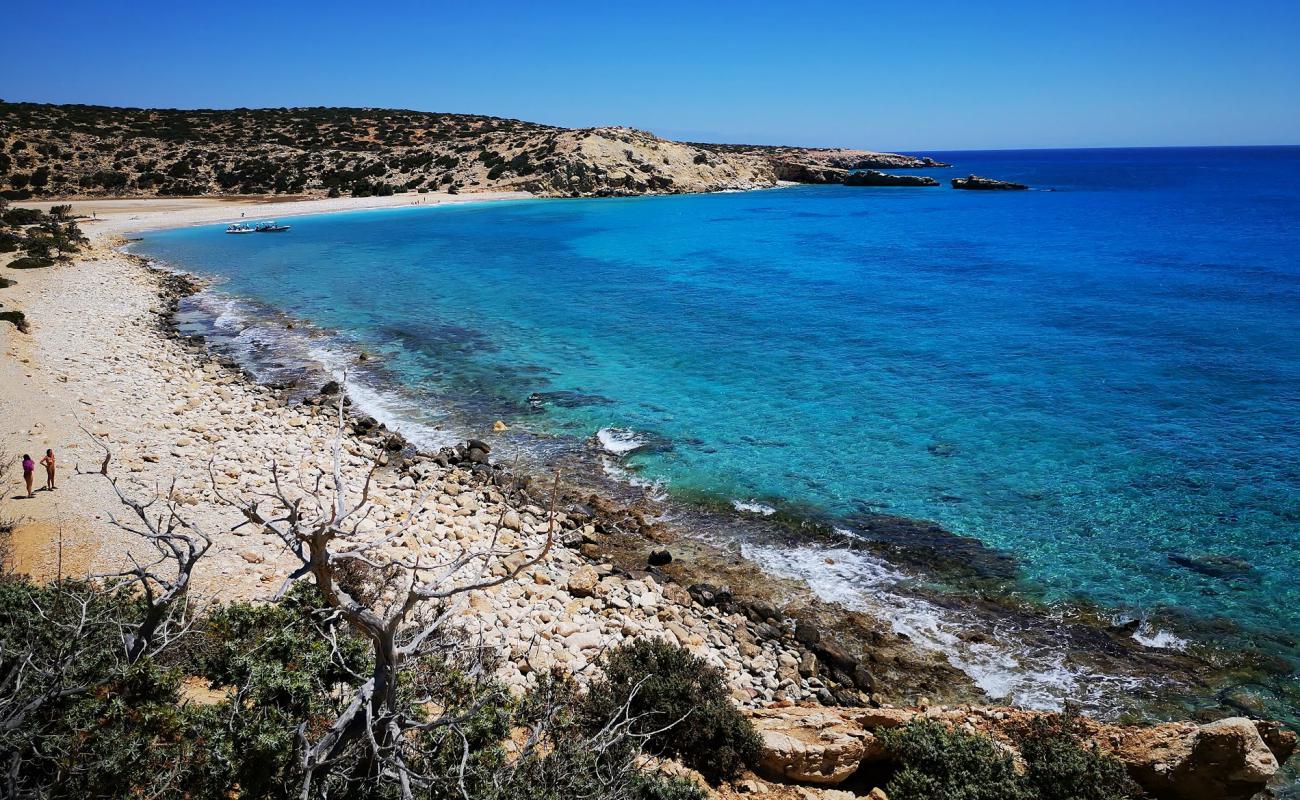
(611, 546)
(105, 340)
(621, 574)
(855, 657)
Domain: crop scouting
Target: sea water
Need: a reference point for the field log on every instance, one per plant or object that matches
(1099, 377)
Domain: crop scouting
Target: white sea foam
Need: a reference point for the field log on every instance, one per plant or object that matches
(752, 507)
(1001, 665)
(236, 319)
(228, 312)
(619, 441)
(654, 489)
(397, 413)
(1148, 635)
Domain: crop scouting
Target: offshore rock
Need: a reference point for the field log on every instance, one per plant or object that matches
(871, 177)
(976, 182)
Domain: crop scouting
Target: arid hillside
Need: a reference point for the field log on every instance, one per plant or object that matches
(56, 151)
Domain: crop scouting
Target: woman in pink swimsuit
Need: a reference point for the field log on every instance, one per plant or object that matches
(29, 467)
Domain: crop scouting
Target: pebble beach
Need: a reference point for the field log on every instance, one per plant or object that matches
(100, 364)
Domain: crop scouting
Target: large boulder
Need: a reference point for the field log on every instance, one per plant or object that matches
(822, 746)
(1223, 760)
(582, 582)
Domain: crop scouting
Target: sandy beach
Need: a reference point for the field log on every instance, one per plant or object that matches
(97, 358)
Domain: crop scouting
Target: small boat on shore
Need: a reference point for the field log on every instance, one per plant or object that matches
(270, 227)
(239, 227)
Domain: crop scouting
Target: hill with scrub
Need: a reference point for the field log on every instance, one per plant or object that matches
(66, 151)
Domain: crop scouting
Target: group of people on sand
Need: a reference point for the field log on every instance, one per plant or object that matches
(29, 469)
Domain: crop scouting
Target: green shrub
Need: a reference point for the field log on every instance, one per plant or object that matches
(23, 216)
(110, 180)
(678, 698)
(31, 262)
(937, 762)
(98, 727)
(1061, 767)
(576, 758)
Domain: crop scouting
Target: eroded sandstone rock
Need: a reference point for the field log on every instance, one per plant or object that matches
(812, 745)
(1231, 759)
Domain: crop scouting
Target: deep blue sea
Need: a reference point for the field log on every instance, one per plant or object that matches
(1100, 377)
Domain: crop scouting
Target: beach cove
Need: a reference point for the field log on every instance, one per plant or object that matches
(1037, 398)
(165, 400)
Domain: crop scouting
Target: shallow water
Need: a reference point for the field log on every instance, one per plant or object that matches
(1100, 380)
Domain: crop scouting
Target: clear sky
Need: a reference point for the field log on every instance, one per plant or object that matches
(899, 75)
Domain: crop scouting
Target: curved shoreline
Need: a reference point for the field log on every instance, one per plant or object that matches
(1119, 659)
(893, 663)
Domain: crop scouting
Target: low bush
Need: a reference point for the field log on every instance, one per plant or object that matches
(31, 262)
(23, 216)
(1060, 766)
(678, 700)
(93, 724)
(936, 761)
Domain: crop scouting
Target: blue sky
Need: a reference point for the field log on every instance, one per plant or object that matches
(902, 76)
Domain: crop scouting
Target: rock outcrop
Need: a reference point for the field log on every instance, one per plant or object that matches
(977, 182)
(871, 177)
(1231, 759)
(812, 744)
(801, 172)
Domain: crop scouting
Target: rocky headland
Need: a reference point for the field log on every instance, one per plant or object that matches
(65, 151)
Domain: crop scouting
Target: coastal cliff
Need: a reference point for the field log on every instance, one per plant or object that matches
(55, 151)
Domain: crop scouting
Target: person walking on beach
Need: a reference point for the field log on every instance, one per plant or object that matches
(48, 463)
(29, 467)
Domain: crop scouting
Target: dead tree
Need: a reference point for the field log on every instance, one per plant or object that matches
(164, 583)
(321, 524)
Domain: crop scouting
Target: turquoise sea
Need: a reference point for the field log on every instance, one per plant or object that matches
(1099, 378)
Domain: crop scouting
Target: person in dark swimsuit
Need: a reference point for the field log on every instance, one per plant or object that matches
(29, 467)
(48, 463)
